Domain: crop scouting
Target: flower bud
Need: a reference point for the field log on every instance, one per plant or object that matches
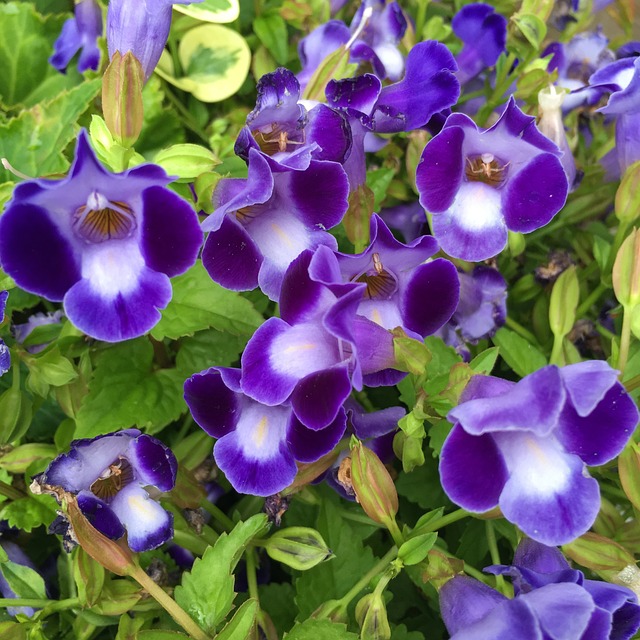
(627, 206)
(373, 485)
(334, 610)
(629, 470)
(598, 553)
(122, 98)
(626, 271)
(18, 460)
(300, 548)
(371, 614)
(308, 472)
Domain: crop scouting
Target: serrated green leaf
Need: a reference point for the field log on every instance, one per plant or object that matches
(320, 630)
(206, 347)
(422, 486)
(272, 31)
(28, 513)
(332, 579)
(206, 592)
(34, 141)
(199, 303)
(126, 390)
(519, 354)
(23, 581)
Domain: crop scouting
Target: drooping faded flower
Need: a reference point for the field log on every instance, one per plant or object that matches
(257, 445)
(532, 464)
(141, 27)
(104, 243)
(79, 33)
(113, 477)
(480, 184)
(551, 600)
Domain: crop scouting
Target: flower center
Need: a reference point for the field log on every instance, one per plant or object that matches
(102, 219)
(486, 168)
(381, 285)
(114, 478)
(275, 139)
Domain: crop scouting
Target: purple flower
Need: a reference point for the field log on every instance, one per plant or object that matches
(5, 356)
(575, 62)
(262, 223)
(478, 184)
(482, 309)
(484, 36)
(532, 463)
(551, 601)
(317, 350)
(141, 27)
(79, 33)
(402, 288)
(114, 476)
(409, 219)
(22, 331)
(287, 135)
(105, 244)
(257, 445)
(17, 556)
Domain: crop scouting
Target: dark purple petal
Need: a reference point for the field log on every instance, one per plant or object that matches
(277, 100)
(465, 601)
(429, 86)
(100, 515)
(66, 46)
(619, 601)
(541, 392)
(375, 423)
(35, 253)
(3, 304)
(308, 445)
(329, 129)
(355, 95)
(472, 470)
(439, 174)
(88, 15)
(115, 316)
(255, 457)
(231, 257)
(148, 525)
(539, 557)
(154, 462)
(431, 297)
(318, 398)
(213, 405)
(628, 139)
(171, 235)
(535, 194)
(601, 435)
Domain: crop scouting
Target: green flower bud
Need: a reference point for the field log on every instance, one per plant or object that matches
(122, 98)
(300, 548)
(629, 470)
(598, 553)
(18, 460)
(187, 161)
(626, 271)
(371, 614)
(373, 485)
(627, 205)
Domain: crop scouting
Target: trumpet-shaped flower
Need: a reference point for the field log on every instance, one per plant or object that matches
(532, 463)
(480, 184)
(105, 244)
(257, 445)
(111, 476)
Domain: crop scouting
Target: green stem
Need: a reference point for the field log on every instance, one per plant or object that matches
(218, 514)
(557, 355)
(252, 578)
(625, 341)
(632, 384)
(378, 568)
(439, 523)
(169, 605)
(190, 542)
(421, 18)
(493, 552)
(11, 492)
(209, 535)
(474, 573)
(51, 605)
(520, 330)
(358, 517)
(395, 532)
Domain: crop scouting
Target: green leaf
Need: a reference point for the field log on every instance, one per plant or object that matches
(26, 42)
(31, 512)
(240, 627)
(335, 66)
(159, 634)
(187, 161)
(276, 599)
(23, 581)
(532, 28)
(564, 301)
(378, 180)
(272, 31)
(485, 361)
(198, 352)
(332, 579)
(415, 549)
(519, 354)
(320, 630)
(127, 391)
(34, 141)
(422, 486)
(50, 368)
(206, 593)
(199, 303)
(89, 577)
(215, 59)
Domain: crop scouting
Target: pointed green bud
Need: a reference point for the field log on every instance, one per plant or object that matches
(627, 205)
(122, 98)
(89, 577)
(629, 471)
(300, 548)
(18, 460)
(187, 161)
(564, 301)
(371, 614)
(373, 485)
(626, 271)
(356, 219)
(334, 610)
(411, 355)
(308, 472)
(598, 553)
